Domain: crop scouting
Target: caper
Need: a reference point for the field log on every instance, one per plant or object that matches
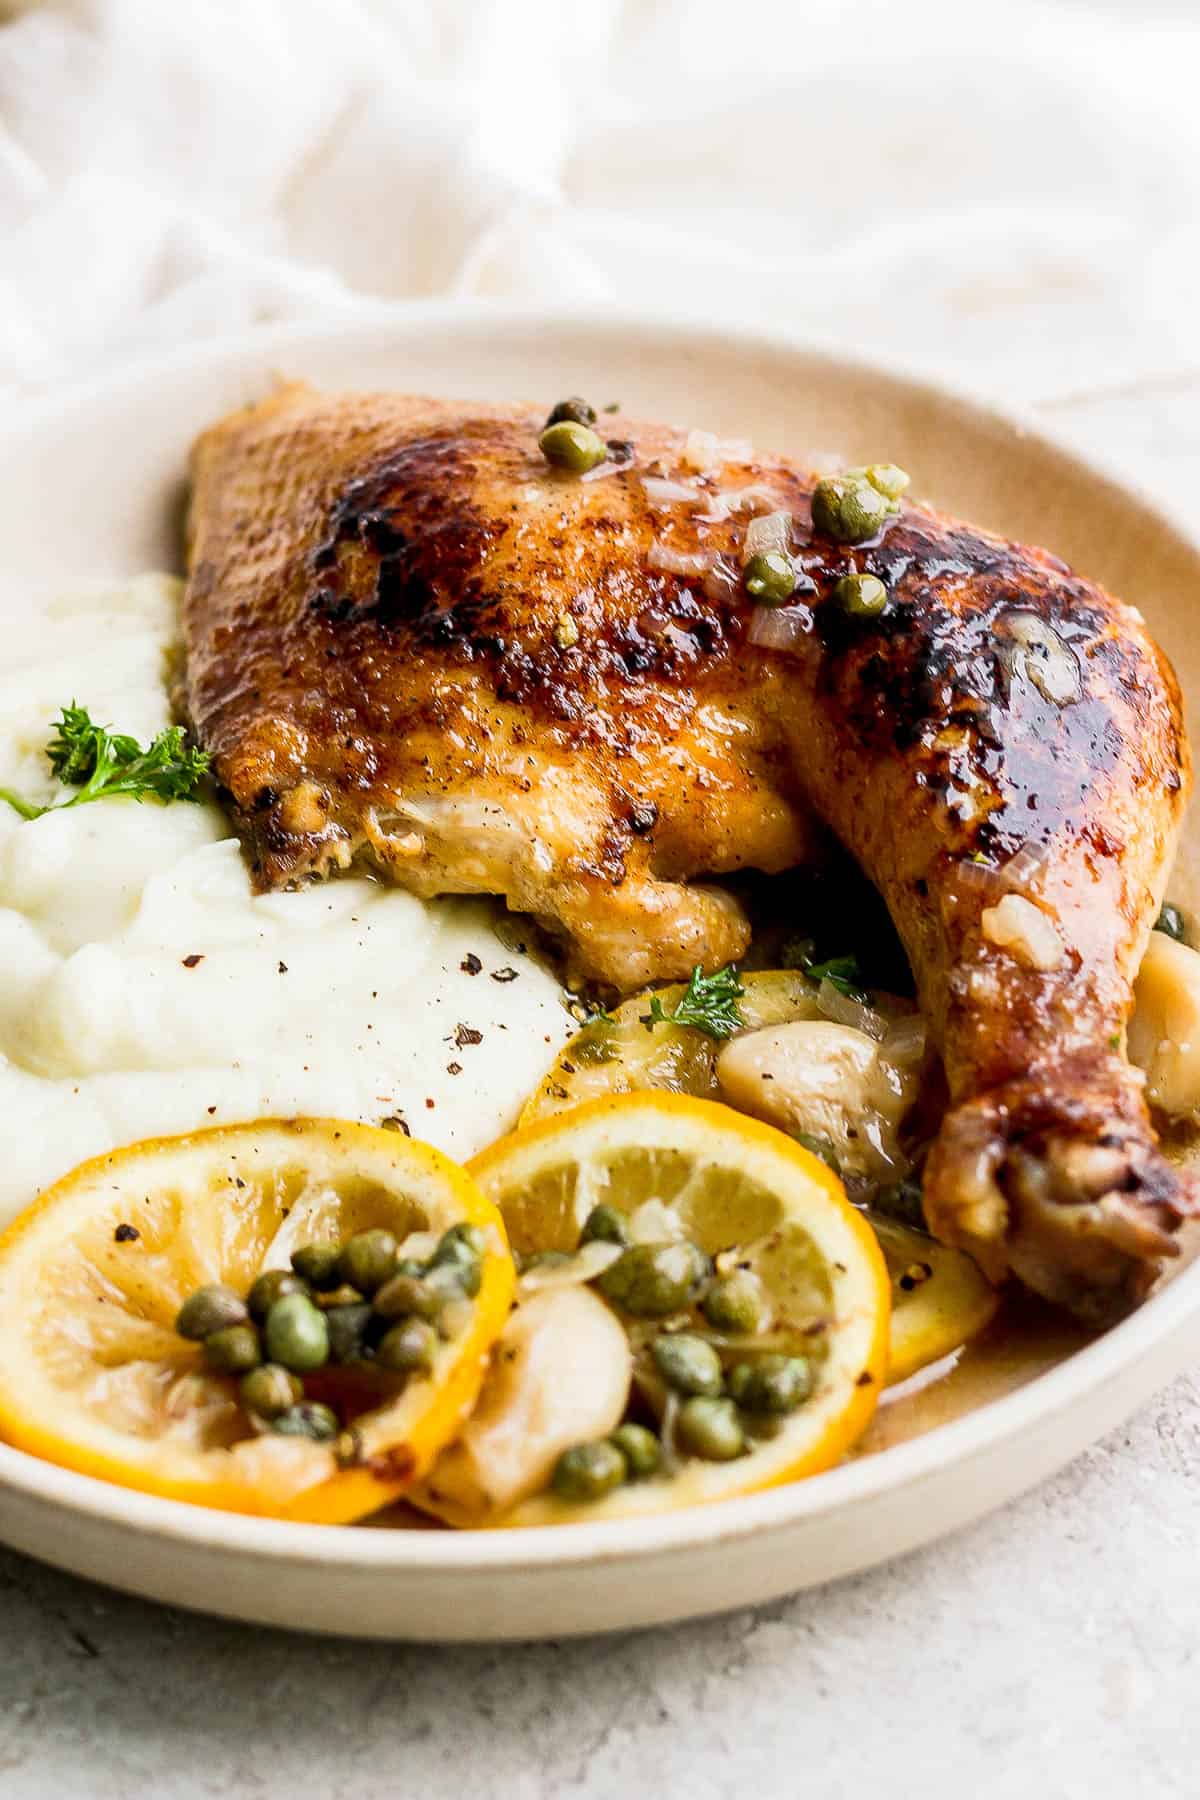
(368, 1259)
(343, 1295)
(820, 1147)
(569, 445)
(862, 596)
(770, 578)
(640, 1448)
(211, 1308)
(652, 1280)
(605, 1225)
(405, 1296)
(270, 1390)
(589, 1471)
(888, 478)
(347, 1328)
(710, 1428)
(462, 1249)
(1172, 924)
(445, 1283)
(736, 1303)
(575, 410)
(771, 1384)
(317, 1264)
(458, 1238)
(308, 1420)
(903, 1201)
(233, 1350)
(687, 1363)
(297, 1334)
(408, 1347)
(848, 508)
(272, 1285)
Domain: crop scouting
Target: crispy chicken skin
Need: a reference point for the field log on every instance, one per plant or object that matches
(410, 641)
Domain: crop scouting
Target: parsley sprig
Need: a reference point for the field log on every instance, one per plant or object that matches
(99, 762)
(709, 1003)
(841, 972)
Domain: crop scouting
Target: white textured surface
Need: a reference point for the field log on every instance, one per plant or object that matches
(1033, 227)
(1049, 1651)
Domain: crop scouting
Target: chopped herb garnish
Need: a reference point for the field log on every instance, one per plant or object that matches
(708, 1004)
(99, 762)
(841, 972)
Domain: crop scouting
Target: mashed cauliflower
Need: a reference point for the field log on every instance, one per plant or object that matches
(144, 989)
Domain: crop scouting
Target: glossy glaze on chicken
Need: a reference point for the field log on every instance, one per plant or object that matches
(410, 640)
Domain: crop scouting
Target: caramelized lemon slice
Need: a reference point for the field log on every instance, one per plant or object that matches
(722, 1195)
(940, 1298)
(94, 1376)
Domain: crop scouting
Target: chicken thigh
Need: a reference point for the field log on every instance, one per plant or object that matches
(412, 641)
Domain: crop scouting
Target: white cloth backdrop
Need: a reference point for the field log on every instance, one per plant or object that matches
(1010, 191)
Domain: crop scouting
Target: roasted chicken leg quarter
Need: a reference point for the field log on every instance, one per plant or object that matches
(411, 640)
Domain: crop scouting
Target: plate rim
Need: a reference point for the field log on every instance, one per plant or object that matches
(547, 1548)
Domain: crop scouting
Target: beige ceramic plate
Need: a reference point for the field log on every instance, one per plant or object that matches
(90, 486)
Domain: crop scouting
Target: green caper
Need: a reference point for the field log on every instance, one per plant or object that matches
(270, 1390)
(848, 508)
(445, 1283)
(710, 1428)
(772, 1384)
(640, 1448)
(589, 1471)
(687, 1364)
(408, 1348)
(770, 578)
(652, 1280)
(862, 596)
(736, 1303)
(211, 1308)
(347, 1328)
(272, 1285)
(297, 1334)
(406, 1296)
(1172, 924)
(820, 1147)
(368, 1259)
(457, 1238)
(317, 1264)
(605, 1225)
(233, 1350)
(569, 445)
(902, 1201)
(344, 1295)
(888, 479)
(574, 410)
(308, 1420)
(462, 1249)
